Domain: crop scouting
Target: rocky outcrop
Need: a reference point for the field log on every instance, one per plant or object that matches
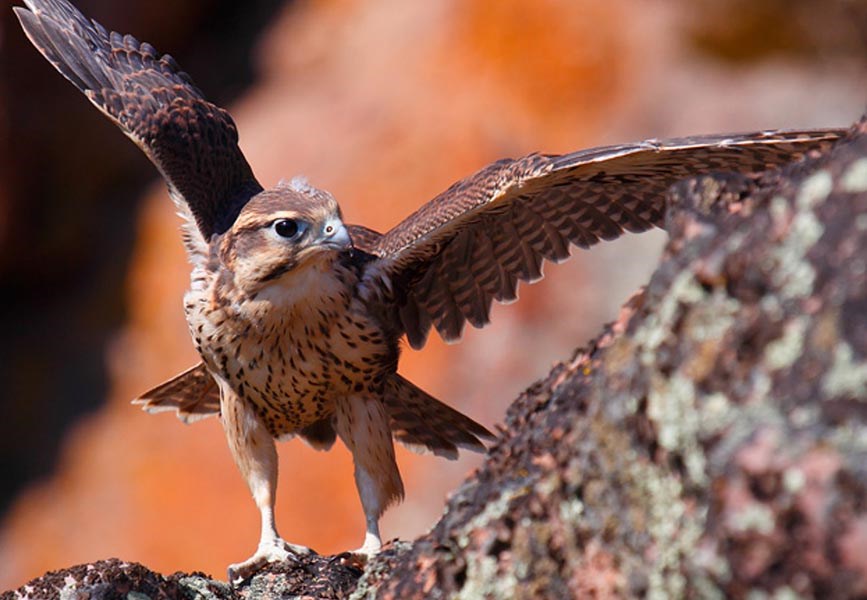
(712, 441)
(709, 443)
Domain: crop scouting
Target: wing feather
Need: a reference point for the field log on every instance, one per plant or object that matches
(476, 241)
(192, 142)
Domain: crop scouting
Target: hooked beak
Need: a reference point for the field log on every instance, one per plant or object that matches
(334, 235)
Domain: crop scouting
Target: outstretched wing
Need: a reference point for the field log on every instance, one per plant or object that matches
(444, 264)
(192, 142)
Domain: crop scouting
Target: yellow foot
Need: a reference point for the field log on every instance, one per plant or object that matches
(272, 551)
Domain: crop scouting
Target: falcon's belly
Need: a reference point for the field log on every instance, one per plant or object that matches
(293, 357)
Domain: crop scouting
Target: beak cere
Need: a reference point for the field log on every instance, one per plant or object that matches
(335, 235)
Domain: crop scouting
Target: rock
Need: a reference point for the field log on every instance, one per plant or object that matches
(711, 442)
(113, 578)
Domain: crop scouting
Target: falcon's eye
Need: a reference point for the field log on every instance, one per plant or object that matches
(290, 229)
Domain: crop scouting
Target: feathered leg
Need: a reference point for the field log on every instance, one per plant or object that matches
(255, 454)
(362, 423)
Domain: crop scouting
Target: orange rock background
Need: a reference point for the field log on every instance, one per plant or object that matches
(385, 103)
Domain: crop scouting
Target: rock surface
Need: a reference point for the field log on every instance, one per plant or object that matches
(711, 442)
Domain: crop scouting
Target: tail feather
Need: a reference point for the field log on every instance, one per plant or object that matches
(417, 420)
(422, 423)
(193, 395)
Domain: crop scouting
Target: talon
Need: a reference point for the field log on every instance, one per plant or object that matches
(275, 551)
(298, 549)
(350, 559)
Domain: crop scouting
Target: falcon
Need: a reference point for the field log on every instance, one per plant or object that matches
(298, 317)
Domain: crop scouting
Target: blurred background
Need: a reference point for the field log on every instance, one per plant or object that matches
(384, 103)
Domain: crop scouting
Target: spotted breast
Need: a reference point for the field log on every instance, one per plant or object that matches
(292, 352)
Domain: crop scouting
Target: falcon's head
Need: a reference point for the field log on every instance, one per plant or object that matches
(283, 236)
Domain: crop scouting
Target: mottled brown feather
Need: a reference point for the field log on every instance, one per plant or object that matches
(445, 263)
(192, 142)
(193, 395)
(363, 238)
(417, 419)
(421, 422)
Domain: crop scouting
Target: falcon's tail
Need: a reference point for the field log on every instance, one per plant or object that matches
(421, 422)
(417, 420)
(193, 395)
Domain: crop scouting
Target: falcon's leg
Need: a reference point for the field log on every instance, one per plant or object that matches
(255, 454)
(362, 424)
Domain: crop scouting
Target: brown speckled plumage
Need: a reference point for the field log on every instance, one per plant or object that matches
(298, 317)
(290, 363)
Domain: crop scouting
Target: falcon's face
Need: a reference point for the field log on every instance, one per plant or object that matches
(282, 235)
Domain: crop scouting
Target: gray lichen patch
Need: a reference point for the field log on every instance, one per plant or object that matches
(814, 190)
(854, 179)
(202, 588)
(712, 318)
(788, 267)
(846, 377)
(785, 350)
(70, 591)
(485, 579)
(672, 406)
(703, 319)
(493, 511)
(753, 517)
(792, 273)
(656, 327)
(718, 413)
(673, 527)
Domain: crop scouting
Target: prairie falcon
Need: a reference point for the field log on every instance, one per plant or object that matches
(297, 317)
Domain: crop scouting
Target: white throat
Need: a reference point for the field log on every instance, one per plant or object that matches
(311, 285)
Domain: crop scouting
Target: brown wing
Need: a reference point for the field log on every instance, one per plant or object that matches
(192, 142)
(444, 264)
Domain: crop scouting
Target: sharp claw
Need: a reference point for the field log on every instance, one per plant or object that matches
(276, 551)
(358, 558)
(355, 559)
(298, 550)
